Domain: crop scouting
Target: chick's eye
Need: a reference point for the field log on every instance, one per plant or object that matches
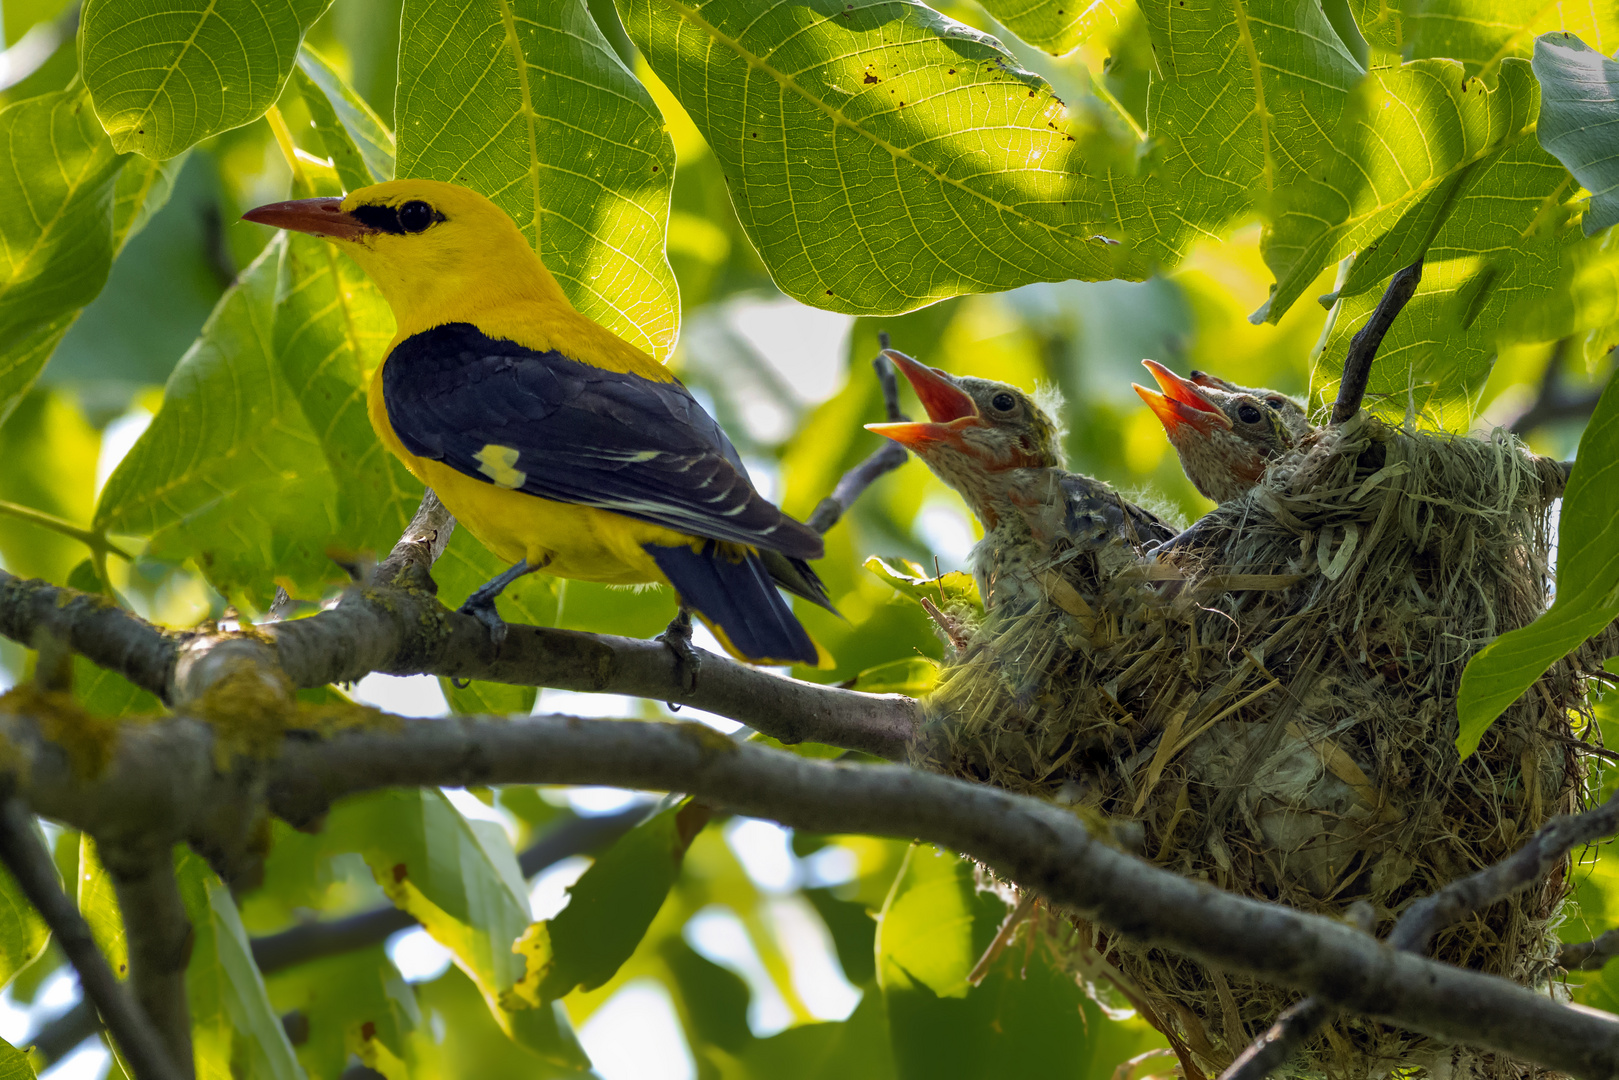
(1003, 402)
(1248, 414)
(1275, 402)
(415, 216)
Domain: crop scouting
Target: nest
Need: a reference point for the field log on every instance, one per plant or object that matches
(1270, 707)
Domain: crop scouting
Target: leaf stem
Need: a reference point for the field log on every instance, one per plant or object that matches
(289, 149)
(97, 542)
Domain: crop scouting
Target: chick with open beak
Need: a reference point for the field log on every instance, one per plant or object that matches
(1226, 438)
(1003, 454)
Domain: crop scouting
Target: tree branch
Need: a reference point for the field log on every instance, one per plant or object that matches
(1363, 346)
(159, 937)
(1589, 955)
(30, 864)
(887, 458)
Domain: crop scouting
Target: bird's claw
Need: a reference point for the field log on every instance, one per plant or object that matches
(482, 608)
(676, 637)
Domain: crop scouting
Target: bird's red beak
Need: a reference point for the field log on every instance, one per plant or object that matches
(1181, 404)
(949, 408)
(318, 217)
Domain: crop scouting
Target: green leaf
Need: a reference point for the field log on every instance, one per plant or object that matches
(475, 1049)
(1587, 579)
(229, 472)
(1381, 23)
(1481, 33)
(99, 905)
(539, 114)
(882, 157)
(1248, 93)
(14, 1064)
(164, 80)
(56, 228)
(1056, 26)
(914, 675)
(1583, 301)
(716, 998)
(355, 1002)
(23, 933)
(1412, 136)
(234, 1029)
(355, 138)
(608, 912)
(498, 699)
(856, 1049)
(1027, 1017)
(956, 588)
(1578, 89)
(460, 880)
(853, 930)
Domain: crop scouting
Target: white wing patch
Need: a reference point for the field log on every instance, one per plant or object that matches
(499, 464)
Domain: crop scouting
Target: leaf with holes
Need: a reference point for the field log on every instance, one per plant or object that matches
(538, 113)
(1579, 90)
(165, 79)
(881, 156)
(1587, 584)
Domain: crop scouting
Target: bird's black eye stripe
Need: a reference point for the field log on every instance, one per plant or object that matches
(1004, 402)
(1248, 414)
(413, 217)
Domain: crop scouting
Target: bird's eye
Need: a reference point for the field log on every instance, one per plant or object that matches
(1003, 402)
(415, 216)
(1248, 414)
(1275, 402)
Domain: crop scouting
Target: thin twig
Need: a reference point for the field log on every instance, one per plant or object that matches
(95, 541)
(317, 940)
(1589, 955)
(31, 866)
(887, 458)
(1363, 346)
(1552, 402)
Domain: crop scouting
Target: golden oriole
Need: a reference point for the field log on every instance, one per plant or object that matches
(558, 444)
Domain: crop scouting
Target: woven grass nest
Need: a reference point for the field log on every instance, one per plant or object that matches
(1271, 708)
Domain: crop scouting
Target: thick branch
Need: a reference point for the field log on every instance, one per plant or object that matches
(1590, 955)
(159, 938)
(1363, 346)
(30, 864)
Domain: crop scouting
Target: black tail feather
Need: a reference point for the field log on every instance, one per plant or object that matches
(732, 591)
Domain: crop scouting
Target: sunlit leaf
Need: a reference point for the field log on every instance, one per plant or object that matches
(1056, 26)
(23, 933)
(914, 676)
(956, 588)
(229, 472)
(1582, 302)
(1579, 92)
(235, 1030)
(1587, 577)
(355, 138)
(475, 1049)
(355, 1002)
(49, 450)
(56, 228)
(165, 79)
(99, 905)
(883, 156)
(14, 1064)
(1381, 23)
(539, 113)
(1481, 33)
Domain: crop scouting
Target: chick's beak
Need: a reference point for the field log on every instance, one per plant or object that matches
(949, 408)
(318, 217)
(1181, 405)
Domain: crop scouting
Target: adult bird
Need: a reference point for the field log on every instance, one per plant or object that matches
(560, 445)
(1226, 438)
(1002, 452)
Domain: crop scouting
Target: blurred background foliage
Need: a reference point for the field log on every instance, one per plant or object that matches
(765, 957)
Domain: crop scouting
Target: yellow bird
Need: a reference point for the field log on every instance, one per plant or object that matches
(561, 446)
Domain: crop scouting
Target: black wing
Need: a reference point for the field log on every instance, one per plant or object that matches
(551, 426)
(1097, 512)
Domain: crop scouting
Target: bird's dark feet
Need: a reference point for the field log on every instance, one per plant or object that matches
(481, 606)
(688, 661)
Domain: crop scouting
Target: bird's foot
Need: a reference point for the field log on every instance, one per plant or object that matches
(481, 606)
(688, 661)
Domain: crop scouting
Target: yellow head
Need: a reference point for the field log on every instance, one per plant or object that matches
(432, 248)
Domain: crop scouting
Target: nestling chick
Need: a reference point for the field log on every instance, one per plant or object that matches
(1226, 438)
(1294, 418)
(991, 443)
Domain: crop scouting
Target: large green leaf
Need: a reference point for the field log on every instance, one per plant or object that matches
(1583, 301)
(883, 156)
(538, 112)
(56, 228)
(14, 1064)
(1587, 583)
(1057, 26)
(1579, 96)
(229, 472)
(609, 910)
(1481, 33)
(23, 933)
(1027, 1017)
(460, 880)
(1247, 98)
(234, 1029)
(354, 1002)
(1410, 140)
(164, 78)
(1381, 23)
